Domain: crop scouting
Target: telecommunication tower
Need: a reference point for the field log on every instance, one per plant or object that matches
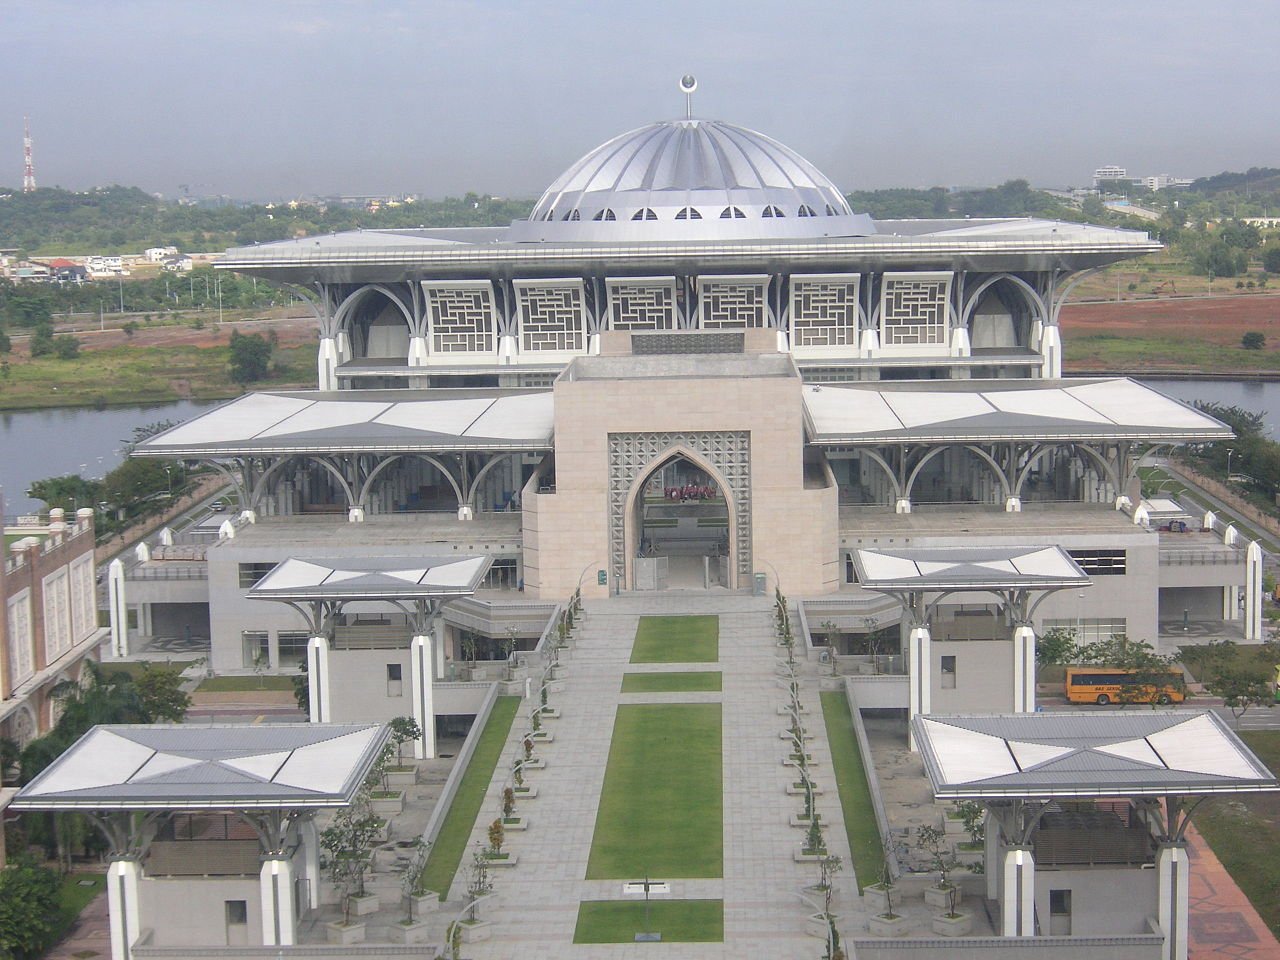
(28, 169)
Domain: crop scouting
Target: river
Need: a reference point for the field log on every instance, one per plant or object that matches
(35, 444)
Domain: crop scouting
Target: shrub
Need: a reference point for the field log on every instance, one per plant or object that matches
(1253, 340)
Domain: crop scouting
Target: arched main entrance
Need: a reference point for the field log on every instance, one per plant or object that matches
(724, 456)
(680, 515)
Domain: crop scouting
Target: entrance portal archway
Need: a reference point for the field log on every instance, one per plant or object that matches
(680, 517)
(725, 458)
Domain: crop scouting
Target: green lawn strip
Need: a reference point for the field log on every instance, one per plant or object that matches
(855, 794)
(451, 843)
(661, 804)
(73, 897)
(677, 640)
(1244, 833)
(693, 680)
(238, 684)
(679, 921)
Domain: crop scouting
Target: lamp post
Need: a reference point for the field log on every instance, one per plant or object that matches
(1230, 453)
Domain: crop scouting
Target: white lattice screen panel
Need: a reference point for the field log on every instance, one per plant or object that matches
(552, 316)
(733, 302)
(824, 310)
(461, 318)
(57, 614)
(642, 304)
(83, 618)
(913, 309)
(21, 662)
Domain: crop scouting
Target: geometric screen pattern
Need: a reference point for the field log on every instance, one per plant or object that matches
(552, 317)
(461, 318)
(630, 454)
(824, 311)
(642, 304)
(913, 308)
(733, 303)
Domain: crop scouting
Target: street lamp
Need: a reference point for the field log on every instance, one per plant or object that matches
(1230, 454)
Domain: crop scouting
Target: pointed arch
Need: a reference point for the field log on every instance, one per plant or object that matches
(982, 454)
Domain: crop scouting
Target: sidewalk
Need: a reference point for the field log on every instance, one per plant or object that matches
(1223, 922)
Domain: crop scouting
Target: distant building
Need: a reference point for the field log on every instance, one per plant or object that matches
(67, 271)
(180, 263)
(159, 254)
(1262, 223)
(1163, 181)
(1109, 174)
(105, 267)
(1132, 209)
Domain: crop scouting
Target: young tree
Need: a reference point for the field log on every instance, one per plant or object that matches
(1148, 670)
(403, 730)
(1240, 689)
(1253, 340)
(161, 693)
(1054, 648)
(250, 357)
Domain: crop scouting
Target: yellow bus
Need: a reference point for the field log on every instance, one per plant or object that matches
(1104, 685)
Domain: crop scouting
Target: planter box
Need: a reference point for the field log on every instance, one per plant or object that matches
(383, 833)
(953, 826)
(786, 711)
(793, 762)
(550, 713)
(509, 860)
(878, 897)
(816, 925)
(515, 823)
(970, 858)
(426, 903)
(525, 793)
(957, 926)
(801, 822)
(391, 806)
(542, 736)
(363, 906)
(476, 931)
(407, 777)
(534, 763)
(786, 735)
(802, 857)
(415, 932)
(344, 934)
(882, 926)
(939, 897)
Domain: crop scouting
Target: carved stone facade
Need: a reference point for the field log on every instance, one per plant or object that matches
(632, 455)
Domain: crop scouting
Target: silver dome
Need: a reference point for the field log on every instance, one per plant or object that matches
(691, 179)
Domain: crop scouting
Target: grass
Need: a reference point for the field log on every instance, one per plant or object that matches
(855, 792)
(708, 680)
(677, 640)
(451, 843)
(679, 921)
(1244, 832)
(241, 684)
(73, 897)
(661, 805)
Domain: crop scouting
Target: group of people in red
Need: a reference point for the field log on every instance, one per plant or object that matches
(690, 491)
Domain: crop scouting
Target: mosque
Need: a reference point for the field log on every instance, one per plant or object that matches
(696, 367)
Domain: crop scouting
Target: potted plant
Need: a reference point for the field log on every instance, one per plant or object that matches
(933, 843)
(952, 923)
(346, 840)
(470, 928)
(509, 819)
(400, 774)
(382, 799)
(418, 900)
(496, 856)
(882, 892)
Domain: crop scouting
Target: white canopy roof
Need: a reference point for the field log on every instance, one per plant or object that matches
(400, 421)
(222, 766)
(1094, 754)
(372, 578)
(968, 568)
(974, 410)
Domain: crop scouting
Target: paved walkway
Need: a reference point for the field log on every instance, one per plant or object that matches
(1224, 925)
(536, 909)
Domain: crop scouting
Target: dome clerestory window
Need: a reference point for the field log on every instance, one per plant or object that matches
(772, 211)
(605, 214)
(688, 213)
(573, 215)
(644, 213)
(805, 211)
(732, 212)
(831, 211)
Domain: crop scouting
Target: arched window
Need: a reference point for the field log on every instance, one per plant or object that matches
(831, 211)
(644, 213)
(573, 215)
(733, 212)
(806, 211)
(688, 213)
(550, 215)
(772, 211)
(605, 214)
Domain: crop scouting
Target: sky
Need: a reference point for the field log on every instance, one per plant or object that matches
(274, 99)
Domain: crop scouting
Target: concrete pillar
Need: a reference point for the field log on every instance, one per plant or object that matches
(991, 855)
(1171, 899)
(311, 860)
(1230, 535)
(355, 515)
(344, 346)
(420, 673)
(960, 342)
(1018, 897)
(1013, 505)
(902, 505)
(318, 679)
(920, 656)
(1024, 670)
(869, 344)
(275, 884)
(142, 552)
(166, 537)
(417, 351)
(437, 631)
(1037, 334)
(118, 609)
(1230, 603)
(1253, 592)
(1210, 520)
(226, 530)
(507, 349)
(122, 907)
(593, 345)
(57, 520)
(327, 364)
(1051, 350)
(783, 345)
(465, 512)
(144, 620)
